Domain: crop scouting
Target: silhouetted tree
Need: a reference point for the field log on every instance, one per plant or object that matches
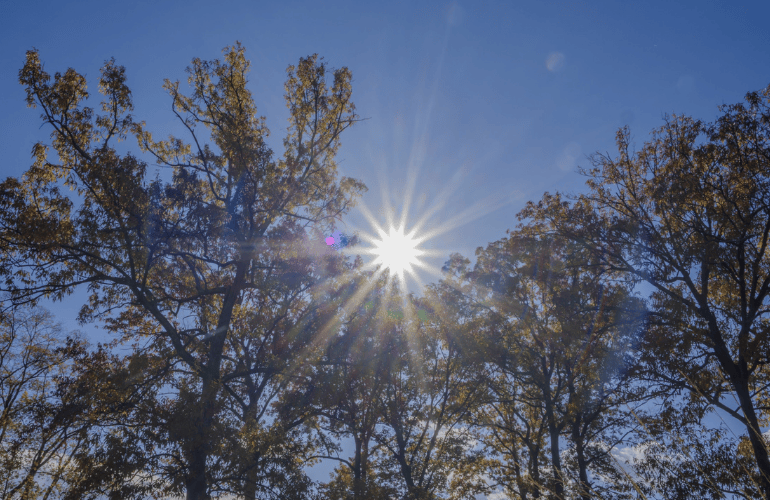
(195, 261)
(554, 335)
(689, 214)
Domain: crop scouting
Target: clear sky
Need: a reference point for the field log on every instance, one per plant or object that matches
(482, 105)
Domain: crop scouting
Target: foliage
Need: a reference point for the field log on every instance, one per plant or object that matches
(554, 336)
(254, 351)
(39, 432)
(212, 264)
(689, 215)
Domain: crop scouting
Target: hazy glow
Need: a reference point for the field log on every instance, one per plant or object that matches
(555, 61)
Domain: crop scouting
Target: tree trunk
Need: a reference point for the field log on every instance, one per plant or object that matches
(583, 488)
(406, 471)
(517, 472)
(414, 492)
(739, 379)
(358, 485)
(558, 487)
(250, 486)
(196, 477)
(553, 432)
(534, 470)
(196, 481)
(198, 448)
(755, 437)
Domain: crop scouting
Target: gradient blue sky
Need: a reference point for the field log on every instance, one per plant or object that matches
(459, 95)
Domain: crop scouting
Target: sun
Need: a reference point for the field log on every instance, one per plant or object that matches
(397, 251)
(393, 243)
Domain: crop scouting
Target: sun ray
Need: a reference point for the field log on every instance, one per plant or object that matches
(397, 255)
(327, 331)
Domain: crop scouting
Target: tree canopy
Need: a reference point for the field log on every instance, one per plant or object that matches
(249, 351)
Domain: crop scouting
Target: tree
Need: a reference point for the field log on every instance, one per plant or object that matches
(125, 457)
(514, 434)
(398, 388)
(350, 382)
(683, 458)
(39, 433)
(554, 334)
(689, 214)
(428, 392)
(50, 426)
(183, 259)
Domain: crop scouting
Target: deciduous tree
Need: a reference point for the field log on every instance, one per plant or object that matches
(189, 258)
(429, 390)
(39, 433)
(689, 214)
(555, 334)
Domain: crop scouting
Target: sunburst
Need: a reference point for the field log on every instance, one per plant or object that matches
(397, 251)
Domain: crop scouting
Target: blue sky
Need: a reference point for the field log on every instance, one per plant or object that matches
(460, 96)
